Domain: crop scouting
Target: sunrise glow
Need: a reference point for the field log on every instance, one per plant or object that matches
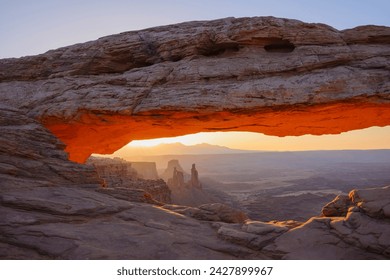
(369, 138)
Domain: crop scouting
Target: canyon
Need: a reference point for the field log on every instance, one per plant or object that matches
(275, 76)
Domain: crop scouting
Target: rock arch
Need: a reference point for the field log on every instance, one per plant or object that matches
(275, 76)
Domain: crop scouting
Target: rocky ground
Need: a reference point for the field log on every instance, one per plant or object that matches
(52, 209)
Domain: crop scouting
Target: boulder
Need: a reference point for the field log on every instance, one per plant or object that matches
(374, 202)
(337, 207)
(362, 234)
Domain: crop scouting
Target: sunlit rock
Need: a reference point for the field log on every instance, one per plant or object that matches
(264, 74)
(276, 76)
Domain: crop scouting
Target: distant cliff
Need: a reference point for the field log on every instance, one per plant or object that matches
(168, 172)
(145, 170)
(123, 181)
(115, 172)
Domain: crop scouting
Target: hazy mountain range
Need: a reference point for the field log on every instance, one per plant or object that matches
(177, 149)
(208, 149)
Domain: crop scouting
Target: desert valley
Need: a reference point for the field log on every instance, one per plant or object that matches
(270, 185)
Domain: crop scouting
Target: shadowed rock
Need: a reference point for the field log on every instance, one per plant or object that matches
(338, 207)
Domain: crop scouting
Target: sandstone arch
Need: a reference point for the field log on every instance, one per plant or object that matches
(275, 76)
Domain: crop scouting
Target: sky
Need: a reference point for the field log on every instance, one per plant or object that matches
(370, 138)
(33, 27)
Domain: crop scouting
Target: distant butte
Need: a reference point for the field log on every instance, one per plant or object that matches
(262, 74)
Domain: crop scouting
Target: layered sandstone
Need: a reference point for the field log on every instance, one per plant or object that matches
(270, 75)
(52, 208)
(170, 170)
(186, 189)
(216, 212)
(146, 170)
(363, 233)
(276, 76)
(115, 172)
(122, 181)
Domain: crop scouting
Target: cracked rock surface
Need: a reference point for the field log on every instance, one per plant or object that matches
(248, 74)
(277, 76)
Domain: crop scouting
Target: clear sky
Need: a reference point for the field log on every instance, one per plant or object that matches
(370, 138)
(33, 27)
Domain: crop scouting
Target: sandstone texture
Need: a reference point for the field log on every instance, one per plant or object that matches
(146, 170)
(169, 171)
(337, 207)
(52, 208)
(121, 180)
(216, 212)
(262, 74)
(186, 189)
(31, 156)
(363, 233)
(277, 76)
(114, 172)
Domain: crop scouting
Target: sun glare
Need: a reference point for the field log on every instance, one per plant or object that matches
(152, 142)
(190, 139)
(369, 138)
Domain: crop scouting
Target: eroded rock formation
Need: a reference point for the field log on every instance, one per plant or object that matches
(337, 207)
(186, 189)
(146, 170)
(276, 76)
(51, 208)
(115, 172)
(122, 181)
(362, 234)
(176, 177)
(194, 182)
(177, 180)
(171, 166)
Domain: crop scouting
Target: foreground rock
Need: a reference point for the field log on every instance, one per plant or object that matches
(216, 212)
(31, 156)
(50, 208)
(252, 234)
(363, 233)
(276, 76)
(338, 207)
(264, 74)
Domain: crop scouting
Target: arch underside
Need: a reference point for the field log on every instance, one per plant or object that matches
(275, 76)
(105, 134)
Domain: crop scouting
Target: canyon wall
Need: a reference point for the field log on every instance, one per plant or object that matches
(146, 170)
(122, 180)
